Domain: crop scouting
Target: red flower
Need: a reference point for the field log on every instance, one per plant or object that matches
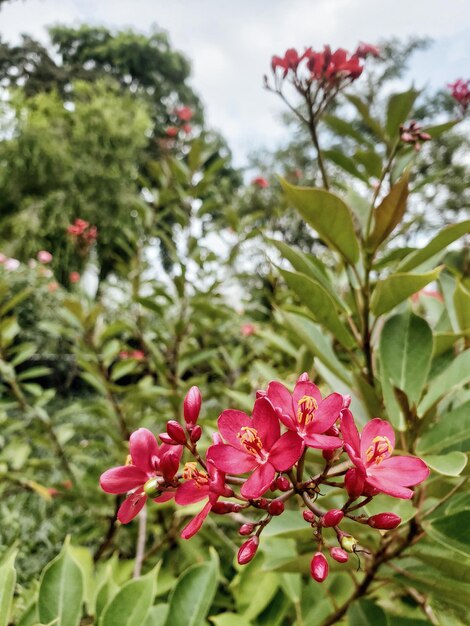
(150, 471)
(460, 91)
(248, 329)
(171, 131)
(200, 485)
(364, 50)
(44, 256)
(371, 454)
(306, 413)
(184, 113)
(290, 61)
(254, 445)
(260, 182)
(74, 277)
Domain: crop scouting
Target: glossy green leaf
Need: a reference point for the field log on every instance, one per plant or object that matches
(320, 304)
(346, 163)
(406, 344)
(7, 587)
(61, 591)
(439, 129)
(131, 604)
(452, 428)
(157, 615)
(344, 128)
(398, 111)
(445, 237)
(371, 161)
(388, 214)
(328, 215)
(454, 376)
(254, 588)
(450, 464)
(451, 531)
(290, 523)
(368, 119)
(366, 613)
(229, 619)
(193, 595)
(462, 306)
(398, 287)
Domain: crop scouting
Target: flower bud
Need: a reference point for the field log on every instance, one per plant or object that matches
(282, 483)
(196, 433)
(332, 518)
(152, 488)
(192, 406)
(248, 550)
(263, 503)
(169, 465)
(308, 516)
(354, 483)
(276, 507)
(319, 567)
(167, 439)
(328, 454)
(221, 508)
(339, 555)
(384, 521)
(348, 542)
(303, 378)
(246, 529)
(176, 431)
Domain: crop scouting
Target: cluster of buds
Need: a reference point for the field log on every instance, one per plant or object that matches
(413, 135)
(460, 91)
(137, 355)
(83, 234)
(256, 463)
(182, 116)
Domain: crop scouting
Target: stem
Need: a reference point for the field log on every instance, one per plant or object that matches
(141, 537)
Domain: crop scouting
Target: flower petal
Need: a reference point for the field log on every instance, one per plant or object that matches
(195, 524)
(166, 496)
(266, 422)
(190, 492)
(305, 388)
(230, 423)
(286, 451)
(259, 482)
(231, 460)
(131, 506)
(350, 432)
(143, 447)
(391, 488)
(280, 397)
(327, 413)
(122, 479)
(322, 442)
(406, 471)
(376, 428)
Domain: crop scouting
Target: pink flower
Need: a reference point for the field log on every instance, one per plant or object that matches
(150, 473)
(52, 287)
(184, 113)
(3, 258)
(364, 50)
(460, 91)
(74, 277)
(11, 264)
(44, 256)
(187, 128)
(171, 131)
(254, 445)
(371, 454)
(306, 413)
(260, 182)
(290, 61)
(199, 486)
(78, 227)
(248, 330)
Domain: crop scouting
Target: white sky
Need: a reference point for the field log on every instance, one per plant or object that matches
(230, 43)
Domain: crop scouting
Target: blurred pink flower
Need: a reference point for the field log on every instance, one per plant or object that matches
(260, 182)
(74, 277)
(44, 256)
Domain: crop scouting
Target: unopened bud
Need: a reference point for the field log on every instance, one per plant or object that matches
(354, 483)
(248, 550)
(192, 406)
(319, 567)
(168, 440)
(308, 516)
(263, 503)
(276, 507)
(332, 518)
(384, 521)
(176, 431)
(282, 483)
(221, 508)
(339, 555)
(328, 454)
(169, 464)
(246, 529)
(196, 433)
(303, 378)
(348, 543)
(152, 488)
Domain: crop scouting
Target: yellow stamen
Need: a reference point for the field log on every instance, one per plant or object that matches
(379, 450)
(191, 472)
(306, 408)
(250, 440)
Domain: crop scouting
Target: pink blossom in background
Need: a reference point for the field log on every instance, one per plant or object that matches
(74, 277)
(248, 329)
(52, 287)
(184, 113)
(260, 182)
(44, 256)
(460, 91)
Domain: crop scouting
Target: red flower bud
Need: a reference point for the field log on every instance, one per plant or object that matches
(221, 508)
(276, 507)
(332, 518)
(192, 406)
(384, 521)
(248, 550)
(263, 503)
(167, 439)
(319, 567)
(282, 483)
(354, 482)
(169, 464)
(328, 454)
(196, 433)
(303, 378)
(308, 516)
(338, 554)
(176, 431)
(246, 529)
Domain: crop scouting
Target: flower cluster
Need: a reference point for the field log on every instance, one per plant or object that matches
(413, 135)
(460, 91)
(258, 462)
(83, 234)
(182, 116)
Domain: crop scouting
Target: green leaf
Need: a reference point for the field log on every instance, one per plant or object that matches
(7, 587)
(346, 163)
(131, 604)
(395, 288)
(255, 589)
(193, 595)
(61, 591)
(229, 619)
(451, 531)
(290, 523)
(454, 376)
(344, 128)
(364, 111)
(158, 615)
(366, 613)
(321, 305)
(452, 428)
(328, 215)
(450, 464)
(398, 110)
(445, 237)
(406, 344)
(462, 306)
(439, 129)
(388, 214)
(123, 368)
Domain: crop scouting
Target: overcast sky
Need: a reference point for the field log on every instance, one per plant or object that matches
(230, 43)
